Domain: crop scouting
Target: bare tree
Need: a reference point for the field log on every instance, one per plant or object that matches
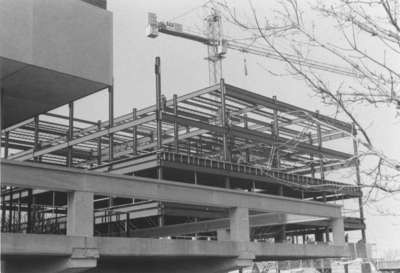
(366, 40)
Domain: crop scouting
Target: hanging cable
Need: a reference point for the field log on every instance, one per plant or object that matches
(245, 66)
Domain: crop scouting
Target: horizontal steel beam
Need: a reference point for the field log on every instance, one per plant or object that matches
(257, 136)
(31, 153)
(258, 99)
(33, 175)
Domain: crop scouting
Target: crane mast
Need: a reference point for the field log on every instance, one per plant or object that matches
(215, 51)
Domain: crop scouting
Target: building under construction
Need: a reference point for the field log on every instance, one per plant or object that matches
(209, 181)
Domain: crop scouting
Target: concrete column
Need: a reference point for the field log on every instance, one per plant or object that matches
(337, 226)
(239, 224)
(80, 214)
(223, 234)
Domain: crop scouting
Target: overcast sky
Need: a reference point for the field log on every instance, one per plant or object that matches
(184, 69)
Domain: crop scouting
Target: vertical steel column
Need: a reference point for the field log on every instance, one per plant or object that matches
(319, 235)
(226, 136)
(321, 162)
(159, 126)
(276, 159)
(29, 212)
(188, 142)
(111, 122)
(200, 145)
(99, 152)
(36, 135)
(19, 210)
(55, 212)
(134, 132)
(127, 224)
(358, 179)
(160, 217)
(176, 126)
(246, 126)
(158, 102)
(163, 103)
(70, 133)
(3, 209)
(7, 137)
(151, 136)
(10, 210)
(311, 157)
(157, 70)
(321, 167)
(224, 123)
(2, 110)
(109, 214)
(276, 162)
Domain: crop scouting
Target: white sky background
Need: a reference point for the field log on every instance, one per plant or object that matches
(184, 69)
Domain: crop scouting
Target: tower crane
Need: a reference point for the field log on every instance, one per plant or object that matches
(217, 46)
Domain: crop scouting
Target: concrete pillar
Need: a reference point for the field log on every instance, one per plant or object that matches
(80, 223)
(223, 234)
(80, 214)
(337, 226)
(239, 224)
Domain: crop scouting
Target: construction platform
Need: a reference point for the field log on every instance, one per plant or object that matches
(191, 151)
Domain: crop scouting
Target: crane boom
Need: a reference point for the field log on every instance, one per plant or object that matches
(217, 47)
(269, 53)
